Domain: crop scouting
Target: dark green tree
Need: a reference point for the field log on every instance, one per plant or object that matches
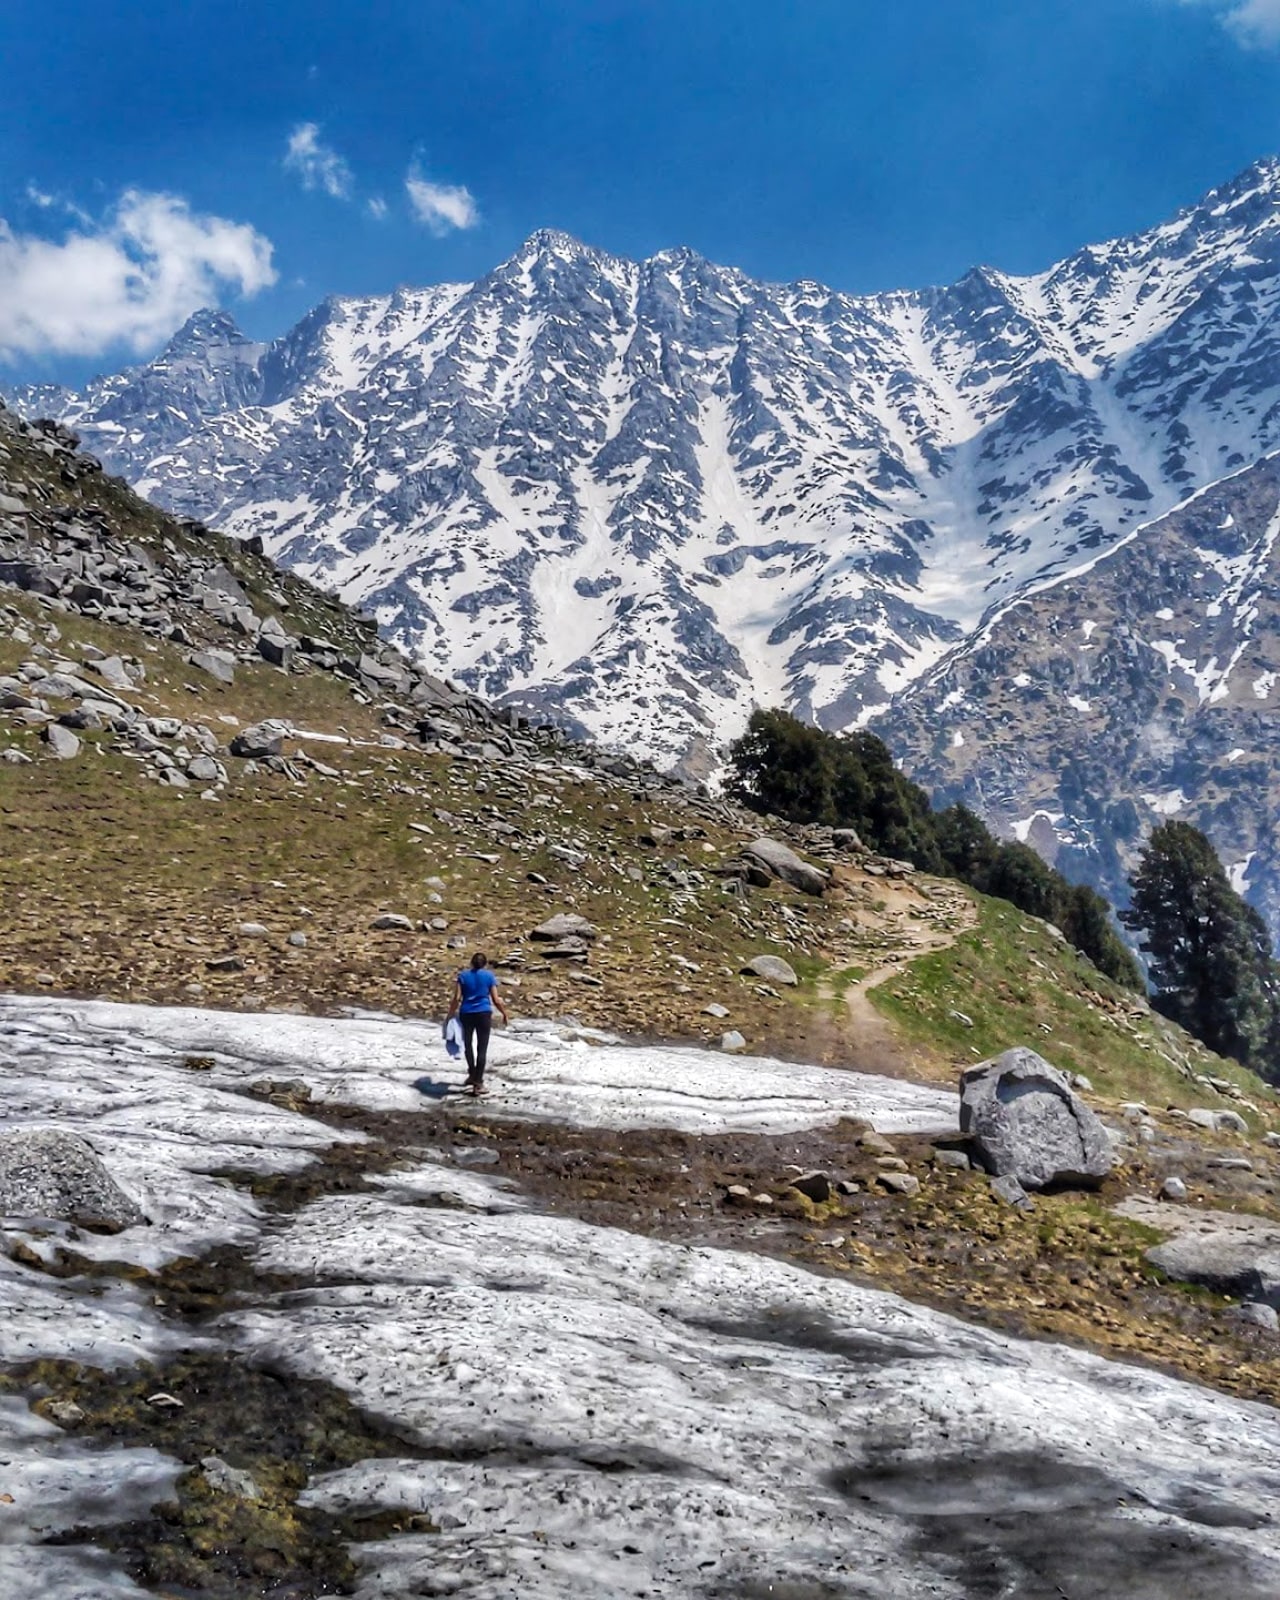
(1020, 875)
(1210, 960)
(1085, 919)
(783, 765)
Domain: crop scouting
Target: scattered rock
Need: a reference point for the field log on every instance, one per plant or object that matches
(1011, 1192)
(956, 1159)
(51, 1173)
(564, 925)
(898, 1182)
(227, 963)
(876, 1144)
(772, 968)
(224, 1479)
(732, 1041)
(1173, 1189)
(297, 939)
(251, 930)
(715, 1010)
(258, 742)
(1026, 1122)
(219, 664)
(61, 741)
(1258, 1314)
(781, 861)
(815, 1186)
(66, 1413)
(391, 922)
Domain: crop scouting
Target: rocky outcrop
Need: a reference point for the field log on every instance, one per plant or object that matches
(1025, 1122)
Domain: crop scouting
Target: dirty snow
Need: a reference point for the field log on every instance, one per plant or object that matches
(599, 1412)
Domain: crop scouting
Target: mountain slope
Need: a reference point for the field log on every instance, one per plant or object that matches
(655, 493)
(1139, 689)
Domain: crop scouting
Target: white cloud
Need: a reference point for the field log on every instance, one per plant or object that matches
(440, 205)
(377, 208)
(39, 198)
(318, 165)
(1255, 23)
(129, 278)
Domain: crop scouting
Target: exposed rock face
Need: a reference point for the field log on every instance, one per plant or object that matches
(781, 861)
(1027, 1123)
(48, 1172)
(1146, 687)
(752, 491)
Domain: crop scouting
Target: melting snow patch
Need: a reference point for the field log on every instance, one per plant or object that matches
(1263, 683)
(957, 740)
(1234, 755)
(1077, 702)
(611, 1414)
(1022, 681)
(1087, 628)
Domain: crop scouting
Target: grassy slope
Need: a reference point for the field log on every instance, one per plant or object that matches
(1018, 984)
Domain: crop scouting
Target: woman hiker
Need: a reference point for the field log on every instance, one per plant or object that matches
(475, 994)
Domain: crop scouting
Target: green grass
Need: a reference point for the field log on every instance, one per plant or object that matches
(1019, 985)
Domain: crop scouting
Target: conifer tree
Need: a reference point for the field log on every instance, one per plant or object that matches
(1211, 966)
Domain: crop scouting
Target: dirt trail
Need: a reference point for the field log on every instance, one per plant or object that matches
(870, 1041)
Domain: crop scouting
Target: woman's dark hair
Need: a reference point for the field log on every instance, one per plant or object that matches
(479, 960)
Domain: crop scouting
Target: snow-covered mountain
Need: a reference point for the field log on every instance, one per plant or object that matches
(651, 494)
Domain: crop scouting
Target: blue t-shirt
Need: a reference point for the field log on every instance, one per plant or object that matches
(476, 988)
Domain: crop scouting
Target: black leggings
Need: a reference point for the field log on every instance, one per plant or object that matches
(475, 1036)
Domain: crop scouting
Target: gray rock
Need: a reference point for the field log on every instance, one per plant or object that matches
(204, 769)
(716, 1010)
(297, 939)
(732, 1041)
(781, 861)
(391, 922)
(1011, 1192)
(898, 1182)
(564, 925)
(1026, 1122)
(51, 1173)
(955, 1159)
(258, 742)
(61, 741)
(1231, 1122)
(846, 839)
(1203, 1117)
(219, 664)
(251, 930)
(1228, 1254)
(224, 1479)
(773, 969)
(1173, 1189)
(815, 1186)
(1257, 1314)
(111, 669)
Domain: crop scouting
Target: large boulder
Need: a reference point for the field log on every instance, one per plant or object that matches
(781, 861)
(56, 1175)
(1026, 1122)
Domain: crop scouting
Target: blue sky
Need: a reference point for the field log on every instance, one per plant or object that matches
(157, 156)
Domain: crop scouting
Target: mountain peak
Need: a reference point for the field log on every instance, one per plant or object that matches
(210, 326)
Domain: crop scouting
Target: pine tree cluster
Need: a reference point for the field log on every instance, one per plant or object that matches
(848, 780)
